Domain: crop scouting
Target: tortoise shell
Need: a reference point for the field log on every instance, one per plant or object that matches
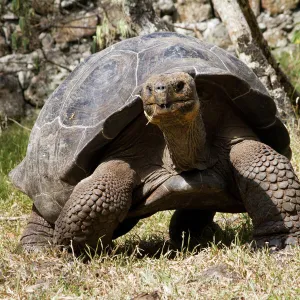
(101, 96)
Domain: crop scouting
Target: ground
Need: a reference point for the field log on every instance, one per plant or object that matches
(142, 262)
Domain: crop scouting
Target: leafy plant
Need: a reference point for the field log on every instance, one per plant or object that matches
(290, 63)
(296, 37)
(22, 35)
(107, 32)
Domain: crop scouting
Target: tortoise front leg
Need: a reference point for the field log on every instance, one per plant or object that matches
(270, 191)
(38, 232)
(96, 207)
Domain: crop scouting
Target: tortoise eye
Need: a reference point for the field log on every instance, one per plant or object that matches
(179, 86)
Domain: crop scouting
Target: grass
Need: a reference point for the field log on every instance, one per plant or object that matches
(290, 64)
(143, 261)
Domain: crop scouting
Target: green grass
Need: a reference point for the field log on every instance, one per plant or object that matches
(13, 144)
(290, 64)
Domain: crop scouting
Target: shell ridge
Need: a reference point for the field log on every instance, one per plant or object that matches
(81, 76)
(152, 47)
(237, 97)
(196, 71)
(211, 50)
(81, 168)
(67, 126)
(136, 69)
(82, 135)
(126, 51)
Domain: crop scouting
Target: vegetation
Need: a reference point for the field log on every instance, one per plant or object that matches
(20, 38)
(290, 63)
(107, 32)
(142, 261)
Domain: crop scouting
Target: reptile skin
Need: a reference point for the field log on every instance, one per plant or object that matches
(270, 191)
(96, 207)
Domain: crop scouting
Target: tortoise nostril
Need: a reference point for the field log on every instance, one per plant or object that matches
(160, 87)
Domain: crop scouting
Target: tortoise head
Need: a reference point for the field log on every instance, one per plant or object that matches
(170, 99)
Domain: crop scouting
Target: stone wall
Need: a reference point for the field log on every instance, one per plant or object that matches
(63, 33)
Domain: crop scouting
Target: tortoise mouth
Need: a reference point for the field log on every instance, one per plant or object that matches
(155, 112)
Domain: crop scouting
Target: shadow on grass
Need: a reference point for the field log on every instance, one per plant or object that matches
(157, 246)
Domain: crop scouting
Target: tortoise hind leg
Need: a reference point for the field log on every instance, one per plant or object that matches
(270, 191)
(187, 226)
(96, 207)
(38, 232)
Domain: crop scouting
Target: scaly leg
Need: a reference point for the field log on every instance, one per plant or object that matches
(270, 191)
(96, 207)
(38, 232)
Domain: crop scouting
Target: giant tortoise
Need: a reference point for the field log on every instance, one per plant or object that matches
(158, 122)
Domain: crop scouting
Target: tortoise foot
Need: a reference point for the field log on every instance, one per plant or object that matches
(37, 235)
(270, 191)
(277, 242)
(96, 207)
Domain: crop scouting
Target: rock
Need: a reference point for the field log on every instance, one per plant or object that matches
(276, 38)
(191, 29)
(15, 63)
(192, 11)
(44, 7)
(275, 7)
(168, 19)
(39, 286)
(147, 296)
(4, 49)
(294, 34)
(67, 3)
(42, 85)
(165, 7)
(184, 28)
(24, 78)
(9, 16)
(296, 17)
(280, 21)
(143, 18)
(37, 91)
(262, 27)
(220, 272)
(288, 28)
(216, 33)
(77, 28)
(8, 28)
(202, 26)
(11, 97)
(39, 75)
(54, 68)
(46, 40)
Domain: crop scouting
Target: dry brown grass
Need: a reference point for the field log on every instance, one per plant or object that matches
(216, 272)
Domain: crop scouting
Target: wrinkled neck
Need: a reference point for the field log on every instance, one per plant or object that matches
(185, 144)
